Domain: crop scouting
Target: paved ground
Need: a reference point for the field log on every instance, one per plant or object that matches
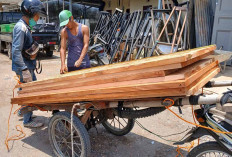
(137, 143)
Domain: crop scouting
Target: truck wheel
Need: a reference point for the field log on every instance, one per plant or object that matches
(59, 131)
(9, 50)
(49, 53)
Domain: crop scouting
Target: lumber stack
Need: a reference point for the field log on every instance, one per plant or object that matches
(178, 74)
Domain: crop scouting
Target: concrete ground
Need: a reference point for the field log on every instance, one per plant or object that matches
(137, 143)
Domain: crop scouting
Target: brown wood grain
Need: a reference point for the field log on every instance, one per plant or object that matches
(102, 79)
(73, 97)
(69, 94)
(110, 80)
(116, 82)
(156, 61)
(200, 82)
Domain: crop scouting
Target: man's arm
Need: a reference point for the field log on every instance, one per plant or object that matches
(85, 32)
(63, 68)
(17, 46)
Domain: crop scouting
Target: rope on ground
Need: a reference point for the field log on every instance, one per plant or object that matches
(187, 147)
(14, 137)
(18, 127)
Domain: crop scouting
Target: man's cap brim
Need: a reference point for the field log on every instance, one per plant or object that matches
(64, 23)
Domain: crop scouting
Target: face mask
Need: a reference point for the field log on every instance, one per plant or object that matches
(32, 22)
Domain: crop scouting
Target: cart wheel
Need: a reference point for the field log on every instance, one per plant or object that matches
(119, 126)
(59, 131)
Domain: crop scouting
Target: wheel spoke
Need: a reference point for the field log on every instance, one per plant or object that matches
(124, 120)
(111, 121)
(119, 122)
(57, 137)
(213, 153)
(73, 150)
(60, 131)
(76, 137)
(68, 136)
(78, 147)
(74, 143)
(57, 130)
(62, 148)
(58, 125)
(65, 126)
(61, 142)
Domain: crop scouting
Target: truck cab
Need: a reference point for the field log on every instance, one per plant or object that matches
(45, 34)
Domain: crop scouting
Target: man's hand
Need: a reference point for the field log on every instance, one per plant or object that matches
(78, 63)
(63, 69)
(26, 76)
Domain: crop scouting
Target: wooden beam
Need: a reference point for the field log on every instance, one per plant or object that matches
(66, 96)
(85, 85)
(73, 97)
(156, 61)
(199, 73)
(139, 79)
(102, 79)
(199, 83)
(109, 78)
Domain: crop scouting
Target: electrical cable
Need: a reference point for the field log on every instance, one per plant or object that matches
(160, 136)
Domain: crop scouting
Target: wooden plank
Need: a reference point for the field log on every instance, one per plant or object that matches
(124, 95)
(91, 73)
(198, 74)
(103, 83)
(199, 83)
(69, 97)
(103, 79)
(186, 72)
(127, 86)
(189, 62)
(69, 94)
(115, 91)
(156, 61)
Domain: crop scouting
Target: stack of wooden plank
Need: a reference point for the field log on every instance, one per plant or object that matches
(178, 74)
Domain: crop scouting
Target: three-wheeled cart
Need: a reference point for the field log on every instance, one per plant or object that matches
(117, 117)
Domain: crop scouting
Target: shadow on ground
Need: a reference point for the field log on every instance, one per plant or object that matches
(105, 144)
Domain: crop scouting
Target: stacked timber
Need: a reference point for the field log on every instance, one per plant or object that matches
(178, 74)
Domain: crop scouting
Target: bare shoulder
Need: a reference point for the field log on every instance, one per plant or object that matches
(85, 28)
(63, 32)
